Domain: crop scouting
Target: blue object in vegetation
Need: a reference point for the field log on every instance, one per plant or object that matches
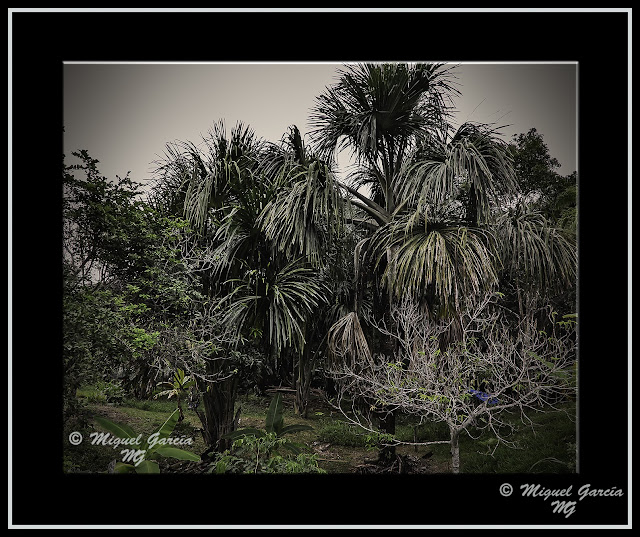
(484, 397)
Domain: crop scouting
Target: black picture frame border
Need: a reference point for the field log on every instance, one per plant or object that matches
(40, 43)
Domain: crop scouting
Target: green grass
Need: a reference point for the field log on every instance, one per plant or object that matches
(548, 447)
(341, 433)
(152, 405)
(91, 394)
(144, 416)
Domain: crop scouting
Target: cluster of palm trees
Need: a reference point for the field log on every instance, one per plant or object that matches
(308, 264)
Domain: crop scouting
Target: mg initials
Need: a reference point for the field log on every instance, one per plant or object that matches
(565, 507)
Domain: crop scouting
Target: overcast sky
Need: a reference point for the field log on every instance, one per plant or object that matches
(124, 114)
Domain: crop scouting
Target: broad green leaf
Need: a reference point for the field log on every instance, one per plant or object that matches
(116, 429)
(275, 419)
(123, 468)
(164, 431)
(162, 393)
(248, 431)
(148, 467)
(168, 426)
(295, 428)
(176, 453)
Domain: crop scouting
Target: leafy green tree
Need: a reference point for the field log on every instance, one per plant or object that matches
(534, 166)
(125, 279)
(108, 229)
(540, 183)
(98, 215)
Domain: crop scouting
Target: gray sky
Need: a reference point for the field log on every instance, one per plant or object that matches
(124, 114)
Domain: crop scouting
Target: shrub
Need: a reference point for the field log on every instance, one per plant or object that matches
(107, 392)
(260, 455)
(342, 434)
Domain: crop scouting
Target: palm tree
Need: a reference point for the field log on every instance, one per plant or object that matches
(380, 112)
(538, 258)
(262, 290)
(305, 221)
(390, 115)
(427, 212)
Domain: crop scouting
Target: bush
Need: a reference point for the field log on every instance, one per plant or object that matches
(103, 392)
(261, 455)
(342, 434)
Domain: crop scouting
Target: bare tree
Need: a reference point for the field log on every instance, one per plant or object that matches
(491, 367)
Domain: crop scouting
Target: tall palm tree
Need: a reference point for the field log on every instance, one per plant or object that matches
(380, 112)
(306, 220)
(261, 290)
(389, 115)
(427, 213)
(394, 119)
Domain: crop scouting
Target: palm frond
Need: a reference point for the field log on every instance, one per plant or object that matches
(531, 247)
(447, 260)
(284, 302)
(210, 176)
(374, 103)
(308, 210)
(346, 340)
(475, 155)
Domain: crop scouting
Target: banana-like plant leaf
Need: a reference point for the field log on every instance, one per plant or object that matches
(116, 429)
(162, 393)
(164, 431)
(176, 453)
(148, 467)
(169, 425)
(295, 428)
(123, 468)
(275, 420)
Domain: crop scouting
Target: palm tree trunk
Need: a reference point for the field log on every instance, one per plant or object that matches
(472, 208)
(303, 381)
(218, 400)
